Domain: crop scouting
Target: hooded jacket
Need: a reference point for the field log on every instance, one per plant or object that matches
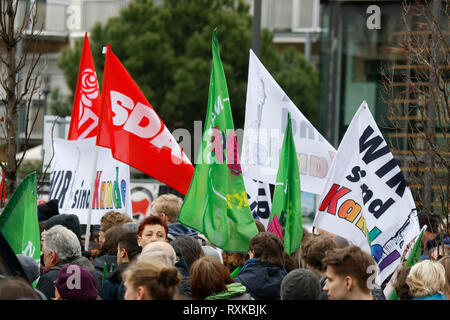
(262, 280)
(235, 291)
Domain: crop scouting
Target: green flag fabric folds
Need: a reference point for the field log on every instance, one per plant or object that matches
(18, 221)
(286, 214)
(216, 204)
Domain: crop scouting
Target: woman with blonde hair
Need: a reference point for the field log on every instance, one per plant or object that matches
(426, 281)
(150, 280)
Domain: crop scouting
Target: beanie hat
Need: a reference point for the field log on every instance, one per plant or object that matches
(300, 284)
(47, 210)
(29, 266)
(70, 221)
(76, 283)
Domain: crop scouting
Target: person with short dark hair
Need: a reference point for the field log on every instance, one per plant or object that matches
(300, 284)
(348, 270)
(263, 272)
(210, 280)
(127, 251)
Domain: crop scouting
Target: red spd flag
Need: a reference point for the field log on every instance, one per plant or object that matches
(131, 128)
(86, 103)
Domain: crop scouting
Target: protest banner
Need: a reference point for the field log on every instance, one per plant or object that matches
(266, 111)
(71, 175)
(259, 199)
(366, 199)
(216, 204)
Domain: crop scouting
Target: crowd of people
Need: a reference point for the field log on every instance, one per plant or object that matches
(161, 259)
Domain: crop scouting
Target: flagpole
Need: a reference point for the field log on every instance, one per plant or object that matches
(91, 202)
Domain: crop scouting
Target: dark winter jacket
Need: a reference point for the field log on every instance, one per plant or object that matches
(45, 283)
(184, 287)
(99, 264)
(177, 229)
(113, 288)
(262, 280)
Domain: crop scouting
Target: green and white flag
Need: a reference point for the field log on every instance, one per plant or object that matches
(286, 215)
(216, 204)
(19, 222)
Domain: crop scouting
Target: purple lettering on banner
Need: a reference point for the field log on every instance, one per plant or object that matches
(388, 260)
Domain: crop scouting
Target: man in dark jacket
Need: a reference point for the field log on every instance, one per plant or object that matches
(60, 247)
(127, 250)
(263, 272)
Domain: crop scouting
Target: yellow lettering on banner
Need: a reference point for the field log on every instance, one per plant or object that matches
(242, 199)
(102, 196)
(108, 203)
(361, 224)
(349, 210)
(229, 197)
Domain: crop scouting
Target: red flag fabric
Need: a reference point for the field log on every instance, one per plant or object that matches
(86, 102)
(131, 128)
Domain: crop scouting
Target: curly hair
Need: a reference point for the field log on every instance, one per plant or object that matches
(113, 218)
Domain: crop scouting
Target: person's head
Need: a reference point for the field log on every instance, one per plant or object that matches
(400, 286)
(111, 219)
(433, 225)
(289, 262)
(29, 266)
(75, 283)
(152, 229)
(212, 252)
(348, 270)
(47, 210)
(188, 248)
(150, 280)
(13, 288)
(167, 206)
(127, 247)
(59, 244)
(268, 248)
(70, 221)
(111, 239)
(153, 251)
(445, 261)
(235, 259)
(426, 278)
(300, 284)
(313, 252)
(208, 276)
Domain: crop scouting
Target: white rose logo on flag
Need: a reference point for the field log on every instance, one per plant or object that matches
(88, 120)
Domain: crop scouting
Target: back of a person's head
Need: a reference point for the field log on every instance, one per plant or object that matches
(445, 261)
(188, 247)
(128, 241)
(400, 285)
(112, 236)
(158, 279)
(300, 284)
(289, 262)
(154, 250)
(208, 276)
(70, 221)
(13, 288)
(169, 204)
(62, 241)
(426, 278)
(351, 261)
(268, 248)
(314, 251)
(152, 220)
(113, 218)
(260, 226)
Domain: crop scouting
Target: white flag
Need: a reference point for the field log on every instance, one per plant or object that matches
(71, 176)
(366, 199)
(266, 111)
(259, 199)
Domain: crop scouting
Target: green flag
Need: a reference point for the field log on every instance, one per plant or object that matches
(216, 204)
(286, 215)
(18, 221)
